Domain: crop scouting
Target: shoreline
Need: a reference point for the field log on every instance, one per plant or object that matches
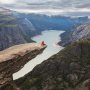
(43, 32)
(56, 43)
(39, 34)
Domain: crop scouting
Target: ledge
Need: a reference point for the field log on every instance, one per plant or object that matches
(14, 58)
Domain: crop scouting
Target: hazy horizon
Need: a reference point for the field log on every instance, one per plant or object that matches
(54, 7)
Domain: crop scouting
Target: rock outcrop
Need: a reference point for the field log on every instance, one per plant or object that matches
(77, 33)
(13, 59)
(69, 69)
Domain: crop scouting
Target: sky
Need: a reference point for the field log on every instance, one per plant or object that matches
(66, 7)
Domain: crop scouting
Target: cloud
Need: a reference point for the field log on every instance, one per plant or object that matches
(7, 1)
(48, 5)
(84, 5)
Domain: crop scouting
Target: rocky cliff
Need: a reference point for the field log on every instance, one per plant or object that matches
(13, 33)
(78, 32)
(13, 59)
(69, 69)
(27, 27)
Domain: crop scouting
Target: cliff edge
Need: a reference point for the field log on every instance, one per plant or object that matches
(13, 59)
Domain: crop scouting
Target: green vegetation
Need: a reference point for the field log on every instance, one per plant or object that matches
(7, 20)
(66, 70)
(85, 41)
(26, 37)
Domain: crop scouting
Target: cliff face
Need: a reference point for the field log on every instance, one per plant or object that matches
(69, 69)
(79, 33)
(13, 59)
(11, 33)
(10, 36)
(27, 27)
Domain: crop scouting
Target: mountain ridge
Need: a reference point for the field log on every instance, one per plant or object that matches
(79, 32)
(66, 70)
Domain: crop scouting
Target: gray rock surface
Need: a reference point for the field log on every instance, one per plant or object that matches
(13, 59)
(27, 24)
(10, 36)
(79, 33)
(27, 27)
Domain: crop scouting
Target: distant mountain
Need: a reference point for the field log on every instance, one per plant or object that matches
(76, 33)
(69, 69)
(39, 22)
(59, 22)
(67, 21)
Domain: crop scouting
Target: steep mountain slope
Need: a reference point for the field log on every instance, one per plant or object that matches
(78, 32)
(27, 27)
(69, 69)
(10, 32)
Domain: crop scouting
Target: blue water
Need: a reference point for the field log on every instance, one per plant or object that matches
(49, 37)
